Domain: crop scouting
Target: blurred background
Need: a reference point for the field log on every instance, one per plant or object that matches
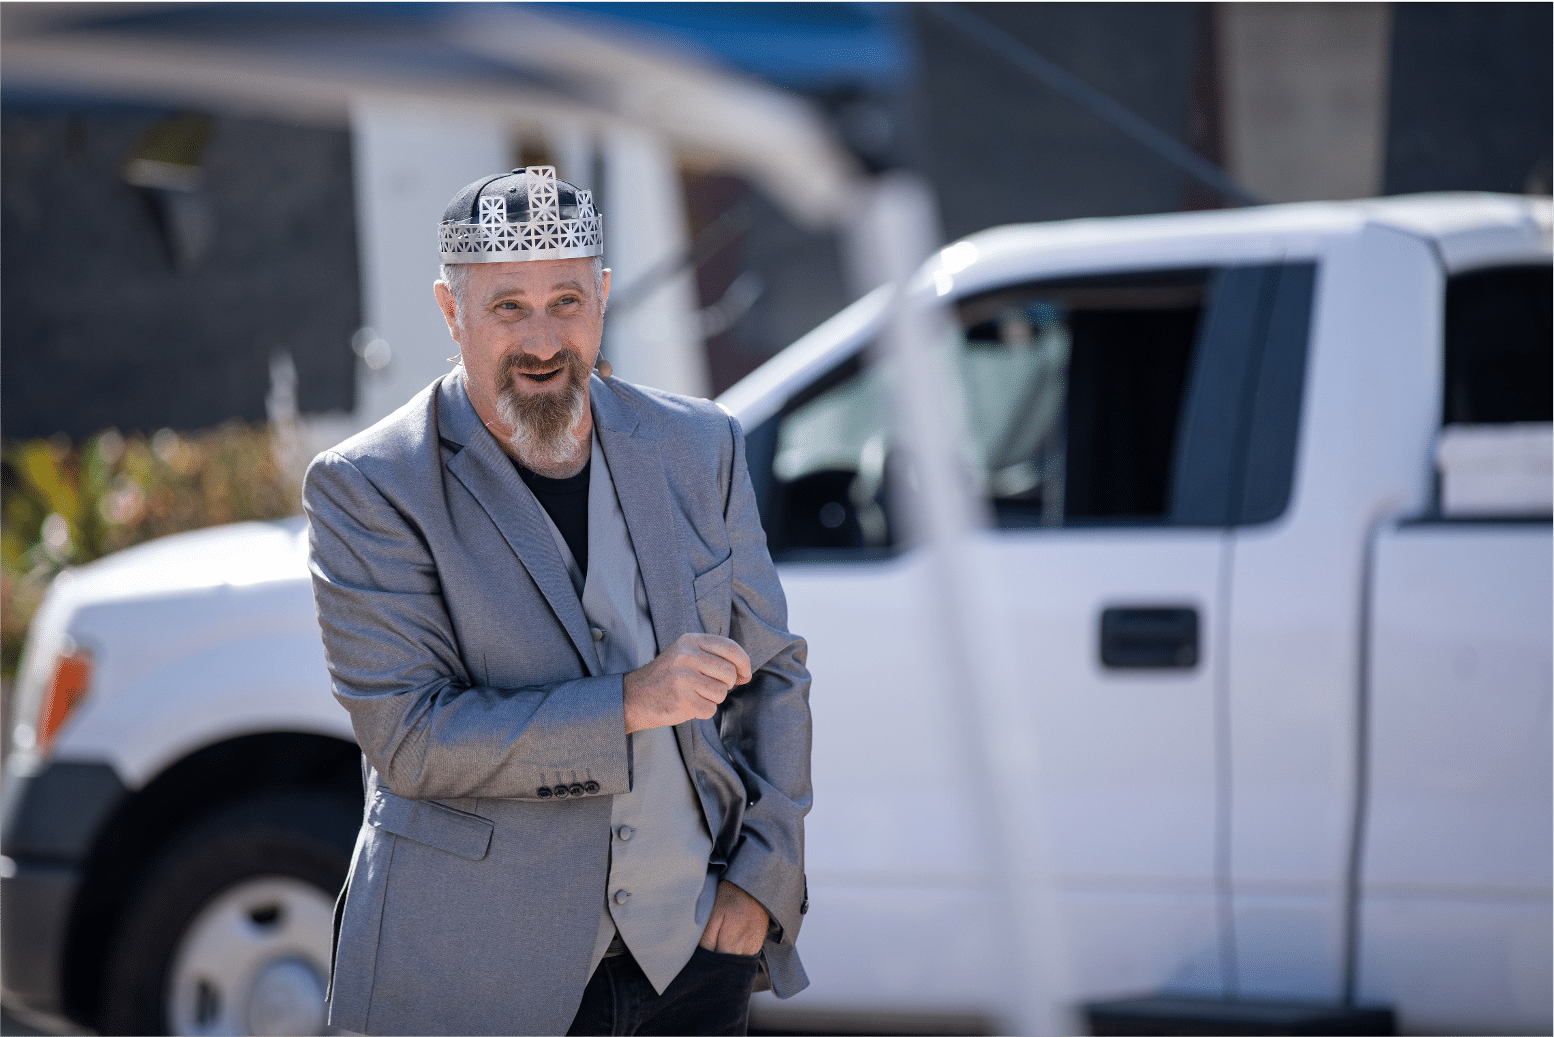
(251, 192)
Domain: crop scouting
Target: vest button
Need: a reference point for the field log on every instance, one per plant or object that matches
(598, 633)
(624, 832)
(621, 896)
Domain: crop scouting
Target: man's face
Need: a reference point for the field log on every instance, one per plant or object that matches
(529, 332)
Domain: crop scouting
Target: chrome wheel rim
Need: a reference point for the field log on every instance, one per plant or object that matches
(254, 960)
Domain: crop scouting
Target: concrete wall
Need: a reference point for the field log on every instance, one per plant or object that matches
(1304, 97)
(1000, 148)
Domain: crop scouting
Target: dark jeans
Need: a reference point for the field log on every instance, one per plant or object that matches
(710, 995)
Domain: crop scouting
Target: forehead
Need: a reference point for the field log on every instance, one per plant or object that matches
(531, 278)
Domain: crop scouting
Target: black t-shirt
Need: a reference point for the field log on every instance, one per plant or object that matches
(566, 502)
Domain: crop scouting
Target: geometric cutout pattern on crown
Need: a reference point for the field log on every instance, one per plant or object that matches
(544, 235)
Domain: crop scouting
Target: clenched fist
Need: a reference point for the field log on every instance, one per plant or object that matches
(685, 681)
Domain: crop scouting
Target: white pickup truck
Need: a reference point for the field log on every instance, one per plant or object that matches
(1270, 491)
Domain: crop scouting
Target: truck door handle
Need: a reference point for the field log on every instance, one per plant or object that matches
(1149, 638)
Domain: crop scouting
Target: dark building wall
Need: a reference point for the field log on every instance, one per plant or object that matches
(773, 280)
(99, 329)
(1469, 97)
(997, 146)
(1002, 148)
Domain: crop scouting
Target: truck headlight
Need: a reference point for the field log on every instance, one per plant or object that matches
(72, 680)
(67, 688)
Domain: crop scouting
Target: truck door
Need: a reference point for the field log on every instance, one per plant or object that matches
(1104, 415)
(1360, 417)
(1454, 921)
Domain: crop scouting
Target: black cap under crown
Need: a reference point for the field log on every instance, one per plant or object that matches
(527, 214)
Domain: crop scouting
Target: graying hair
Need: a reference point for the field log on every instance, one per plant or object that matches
(456, 277)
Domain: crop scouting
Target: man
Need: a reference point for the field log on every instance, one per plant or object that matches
(547, 603)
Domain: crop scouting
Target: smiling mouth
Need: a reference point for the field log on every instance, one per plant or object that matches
(540, 371)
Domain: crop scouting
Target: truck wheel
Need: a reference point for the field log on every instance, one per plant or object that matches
(231, 931)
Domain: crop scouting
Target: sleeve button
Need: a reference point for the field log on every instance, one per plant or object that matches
(561, 791)
(590, 787)
(575, 789)
(543, 792)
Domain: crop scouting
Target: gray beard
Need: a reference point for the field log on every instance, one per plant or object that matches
(544, 428)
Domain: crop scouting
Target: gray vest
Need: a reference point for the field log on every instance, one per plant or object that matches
(660, 892)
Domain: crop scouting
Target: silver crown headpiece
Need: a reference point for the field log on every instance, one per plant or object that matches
(550, 232)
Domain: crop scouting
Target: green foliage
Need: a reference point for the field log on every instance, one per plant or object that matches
(66, 504)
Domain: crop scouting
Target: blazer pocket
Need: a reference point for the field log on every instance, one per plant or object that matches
(427, 821)
(714, 592)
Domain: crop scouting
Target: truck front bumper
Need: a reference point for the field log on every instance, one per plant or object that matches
(53, 814)
(35, 903)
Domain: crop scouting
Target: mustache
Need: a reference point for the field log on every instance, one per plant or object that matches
(568, 360)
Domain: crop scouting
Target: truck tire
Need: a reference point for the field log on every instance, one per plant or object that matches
(230, 933)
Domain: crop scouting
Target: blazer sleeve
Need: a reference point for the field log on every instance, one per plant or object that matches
(766, 723)
(389, 643)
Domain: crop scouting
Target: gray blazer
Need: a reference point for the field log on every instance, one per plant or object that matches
(492, 742)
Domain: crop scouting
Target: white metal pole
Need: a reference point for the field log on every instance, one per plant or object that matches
(658, 341)
(895, 232)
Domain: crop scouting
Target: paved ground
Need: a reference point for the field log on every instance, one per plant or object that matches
(9, 1024)
(11, 1028)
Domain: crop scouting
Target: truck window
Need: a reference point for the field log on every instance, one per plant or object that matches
(1074, 395)
(1165, 398)
(1499, 358)
(827, 494)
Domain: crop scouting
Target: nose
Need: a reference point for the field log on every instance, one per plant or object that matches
(543, 340)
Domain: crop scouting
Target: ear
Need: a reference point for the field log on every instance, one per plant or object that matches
(450, 309)
(604, 289)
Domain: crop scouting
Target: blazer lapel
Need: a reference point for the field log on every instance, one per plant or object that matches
(488, 474)
(637, 468)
